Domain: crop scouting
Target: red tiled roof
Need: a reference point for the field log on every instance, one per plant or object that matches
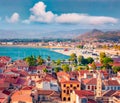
(21, 63)
(6, 92)
(116, 64)
(109, 93)
(48, 92)
(21, 72)
(3, 96)
(71, 81)
(62, 73)
(2, 65)
(48, 78)
(41, 67)
(27, 88)
(21, 81)
(90, 81)
(117, 94)
(84, 93)
(82, 72)
(4, 59)
(111, 83)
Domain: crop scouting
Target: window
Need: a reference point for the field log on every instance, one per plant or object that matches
(88, 87)
(92, 87)
(70, 91)
(64, 91)
(64, 99)
(74, 88)
(64, 85)
(68, 98)
(67, 91)
(95, 87)
(70, 85)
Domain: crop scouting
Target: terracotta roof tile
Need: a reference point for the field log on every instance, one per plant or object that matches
(111, 83)
(71, 81)
(90, 81)
(109, 93)
(84, 93)
(48, 92)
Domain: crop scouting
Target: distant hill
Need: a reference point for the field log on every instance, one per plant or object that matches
(37, 34)
(100, 35)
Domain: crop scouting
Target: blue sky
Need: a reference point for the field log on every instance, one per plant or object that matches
(59, 15)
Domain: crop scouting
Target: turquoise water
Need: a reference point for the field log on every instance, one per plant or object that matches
(22, 52)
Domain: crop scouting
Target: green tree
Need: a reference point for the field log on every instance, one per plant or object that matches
(107, 61)
(31, 60)
(40, 61)
(102, 56)
(58, 62)
(80, 46)
(65, 68)
(57, 69)
(90, 60)
(93, 65)
(45, 70)
(78, 68)
(116, 69)
(80, 59)
(73, 57)
(87, 67)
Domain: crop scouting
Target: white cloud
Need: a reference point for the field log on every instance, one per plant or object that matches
(39, 14)
(13, 19)
(83, 18)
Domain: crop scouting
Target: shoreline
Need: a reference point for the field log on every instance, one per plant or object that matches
(69, 51)
(30, 46)
(79, 52)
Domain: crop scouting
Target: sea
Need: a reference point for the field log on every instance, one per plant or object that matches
(17, 53)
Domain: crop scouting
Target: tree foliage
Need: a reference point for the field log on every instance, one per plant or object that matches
(90, 60)
(93, 65)
(73, 57)
(57, 69)
(31, 60)
(58, 62)
(65, 68)
(116, 69)
(45, 70)
(40, 61)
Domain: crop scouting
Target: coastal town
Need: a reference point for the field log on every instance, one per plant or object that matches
(59, 51)
(76, 80)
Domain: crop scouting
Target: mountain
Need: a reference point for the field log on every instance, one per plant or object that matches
(98, 35)
(38, 34)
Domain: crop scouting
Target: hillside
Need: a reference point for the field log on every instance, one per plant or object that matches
(100, 35)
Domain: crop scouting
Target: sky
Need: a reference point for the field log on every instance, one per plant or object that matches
(55, 16)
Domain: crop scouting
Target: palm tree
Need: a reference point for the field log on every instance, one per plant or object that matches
(40, 61)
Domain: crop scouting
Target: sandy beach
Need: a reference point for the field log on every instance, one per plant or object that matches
(80, 52)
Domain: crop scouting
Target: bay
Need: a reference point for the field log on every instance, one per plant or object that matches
(21, 52)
